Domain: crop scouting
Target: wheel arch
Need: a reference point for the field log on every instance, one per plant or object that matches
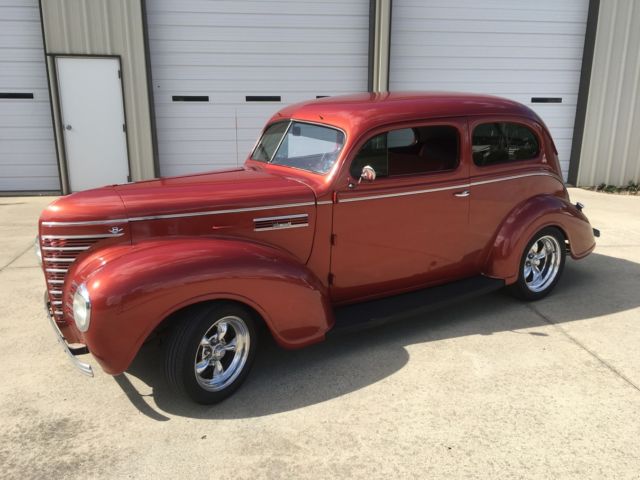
(524, 221)
(143, 287)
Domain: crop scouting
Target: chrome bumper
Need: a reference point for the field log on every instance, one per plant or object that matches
(71, 352)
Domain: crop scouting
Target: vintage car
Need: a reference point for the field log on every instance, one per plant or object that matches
(350, 211)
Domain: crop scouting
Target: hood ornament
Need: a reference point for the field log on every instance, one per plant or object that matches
(116, 230)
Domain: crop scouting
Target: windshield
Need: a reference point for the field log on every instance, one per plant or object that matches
(300, 145)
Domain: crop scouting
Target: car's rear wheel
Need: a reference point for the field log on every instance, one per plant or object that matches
(210, 351)
(541, 265)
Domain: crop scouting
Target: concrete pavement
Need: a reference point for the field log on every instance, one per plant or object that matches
(491, 389)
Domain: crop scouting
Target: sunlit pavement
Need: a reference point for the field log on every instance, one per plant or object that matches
(495, 388)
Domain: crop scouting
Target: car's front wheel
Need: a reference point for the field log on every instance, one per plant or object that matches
(541, 265)
(210, 351)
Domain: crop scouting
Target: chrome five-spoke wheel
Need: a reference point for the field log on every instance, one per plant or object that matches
(210, 350)
(541, 264)
(222, 353)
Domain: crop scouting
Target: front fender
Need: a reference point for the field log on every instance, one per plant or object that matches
(528, 218)
(137, 286)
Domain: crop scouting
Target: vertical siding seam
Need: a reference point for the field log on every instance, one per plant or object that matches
(632, 111)
(85, 28)
(620, 72)
(131, 112)
(65, 31)
(602, 100)
(105, 13)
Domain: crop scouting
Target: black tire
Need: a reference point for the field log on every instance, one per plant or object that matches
(526, 287)
(186, 345)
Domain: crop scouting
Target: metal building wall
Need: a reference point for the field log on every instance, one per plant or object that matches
(106, 27)
(611, 141)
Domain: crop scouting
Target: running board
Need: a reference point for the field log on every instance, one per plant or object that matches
(372, 313)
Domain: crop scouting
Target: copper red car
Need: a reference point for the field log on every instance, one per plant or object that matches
(350, 211)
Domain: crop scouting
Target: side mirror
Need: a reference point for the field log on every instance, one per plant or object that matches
(368, 174)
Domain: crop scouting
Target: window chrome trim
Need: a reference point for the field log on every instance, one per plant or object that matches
(453, 187)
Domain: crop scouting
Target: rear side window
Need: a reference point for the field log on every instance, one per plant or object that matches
(502, 142)
(409, 151)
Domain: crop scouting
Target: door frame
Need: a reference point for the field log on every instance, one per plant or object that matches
(64, 172)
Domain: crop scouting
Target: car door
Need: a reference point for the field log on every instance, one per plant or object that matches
(407, 228)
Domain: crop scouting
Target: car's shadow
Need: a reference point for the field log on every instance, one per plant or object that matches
(284, 380)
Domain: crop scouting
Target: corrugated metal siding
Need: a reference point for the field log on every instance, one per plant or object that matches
(611, 142)
(515, 49)
(109, 27)
(27, 150)
(228, 50)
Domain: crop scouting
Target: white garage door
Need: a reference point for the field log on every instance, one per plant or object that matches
(527, 51)
(27, 151)
(221, 68)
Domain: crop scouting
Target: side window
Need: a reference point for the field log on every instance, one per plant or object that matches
(409, 151)
(502, 142)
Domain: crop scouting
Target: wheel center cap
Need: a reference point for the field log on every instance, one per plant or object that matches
(218, 352)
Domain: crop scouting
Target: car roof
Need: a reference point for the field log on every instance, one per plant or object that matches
(360, 112)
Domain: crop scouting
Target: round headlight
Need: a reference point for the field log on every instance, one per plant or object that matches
(82, 308)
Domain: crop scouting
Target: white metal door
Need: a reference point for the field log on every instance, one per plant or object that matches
(93, 121)
(27, 150)
(528, 51)
(221, 69)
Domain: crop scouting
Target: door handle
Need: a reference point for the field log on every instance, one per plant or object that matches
(464, 193)
(67, 127)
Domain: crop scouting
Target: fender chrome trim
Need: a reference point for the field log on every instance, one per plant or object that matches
(176, 215)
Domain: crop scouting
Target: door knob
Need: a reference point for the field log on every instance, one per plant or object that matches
(68, 127)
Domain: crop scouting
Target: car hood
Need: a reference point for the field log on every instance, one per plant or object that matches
(227, 190)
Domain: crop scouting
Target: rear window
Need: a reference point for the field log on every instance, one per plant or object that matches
(503, 142)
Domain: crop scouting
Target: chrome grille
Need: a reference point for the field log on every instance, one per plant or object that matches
(58, 253)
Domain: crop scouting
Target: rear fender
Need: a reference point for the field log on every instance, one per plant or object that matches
(140, 285)
(524, 221)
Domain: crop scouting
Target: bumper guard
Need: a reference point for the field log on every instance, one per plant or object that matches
(71, 352)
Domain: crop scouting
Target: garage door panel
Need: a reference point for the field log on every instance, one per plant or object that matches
(490, 39)
(229, 86)
(479, 12)
(417, 76)
(258, 48)
(8, 39)
(273, 60)
(294, 7)
(507, 62)
(27, 150)
(275, 20)
(505, 48)
(494, 51)
(440, 25)
(256, 34)
(350, 76)
(553, 5)
(228, 51)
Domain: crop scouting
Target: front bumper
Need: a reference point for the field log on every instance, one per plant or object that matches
(70, 350)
